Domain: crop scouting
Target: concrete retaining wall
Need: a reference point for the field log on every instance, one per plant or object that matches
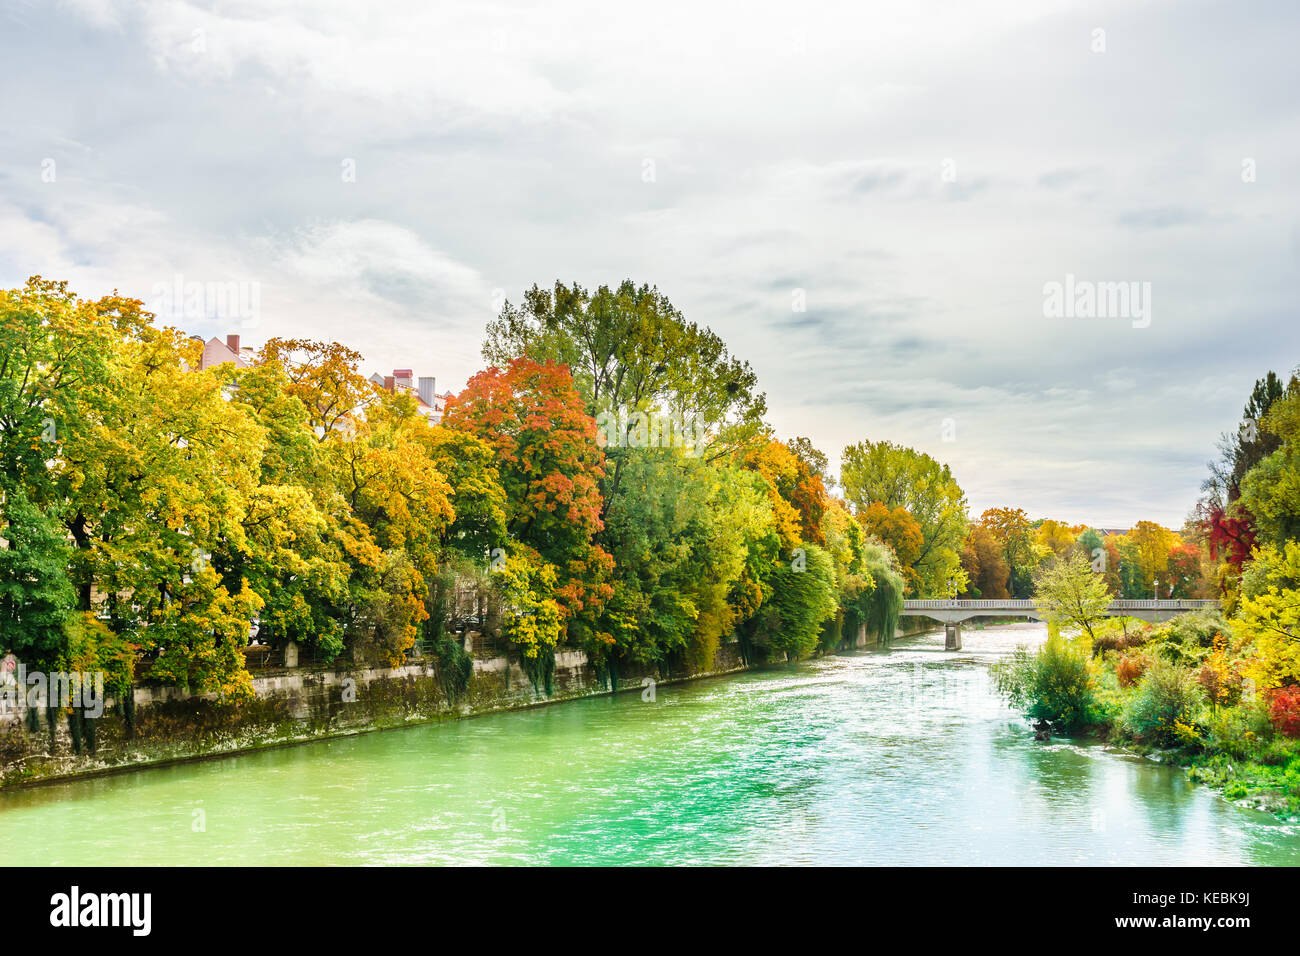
(296, 705)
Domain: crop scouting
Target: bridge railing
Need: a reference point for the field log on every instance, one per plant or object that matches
(1012, 604)
(1163, 605)
(920, 605)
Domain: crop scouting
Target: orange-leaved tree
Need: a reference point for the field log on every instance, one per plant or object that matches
(533, 418)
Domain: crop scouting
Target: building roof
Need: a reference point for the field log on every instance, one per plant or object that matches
(215, 352)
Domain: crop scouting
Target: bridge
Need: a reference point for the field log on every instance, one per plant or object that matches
(951, 612)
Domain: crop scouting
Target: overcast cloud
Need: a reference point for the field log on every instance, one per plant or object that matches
(916, 171)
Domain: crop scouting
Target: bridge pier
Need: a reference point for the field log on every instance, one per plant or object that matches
(952, 636)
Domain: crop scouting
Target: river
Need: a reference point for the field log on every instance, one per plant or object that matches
(895, 757)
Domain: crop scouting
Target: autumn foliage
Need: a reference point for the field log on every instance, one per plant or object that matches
(1284, 710)
(531, 416)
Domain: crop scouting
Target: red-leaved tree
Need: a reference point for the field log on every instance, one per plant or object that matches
(545, 443)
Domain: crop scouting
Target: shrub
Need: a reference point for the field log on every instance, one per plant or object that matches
(1278, 752)
(1239, 731)
(1284, 710)
(1199, 628)
(455, 667)
(1167, 697)
(1188, 637)
(1219, 677)
(1119, 634)
(1107, 698)
(1129, 668)
(1053, 685)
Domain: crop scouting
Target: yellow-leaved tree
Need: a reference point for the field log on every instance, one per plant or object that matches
(1269, 615)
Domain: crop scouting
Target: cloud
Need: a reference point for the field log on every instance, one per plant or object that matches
(1161, 217)
(894, 165)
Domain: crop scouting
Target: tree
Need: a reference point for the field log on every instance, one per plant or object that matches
(324, 377)
(1150, 545)
(903, 477)
(196, 635)
(152, 486)
(804, 598)
(986, 569)
(880, 607)
(682, 534)
(814, 458)
(868, 576)
(477, 498)
(532, 417)
(293, 556)
(1091, 545)
(630, 350)
(1185, 574)
(383, 470)
(797, 495)
(533, 620)
(1251, 443)
(1055, 537)
(1071, 594)
(1269, 616)
(1270, 488)
(146, 468)
(1228, 522)
(386, 608)
(898, 529)
(36, 597)
(301, 544)
(56, 356)
(1010, 527)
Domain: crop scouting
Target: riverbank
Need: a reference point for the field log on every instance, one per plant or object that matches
(1175, 693)
(294, 706)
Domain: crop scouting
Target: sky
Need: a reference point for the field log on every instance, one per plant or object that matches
(869, 202)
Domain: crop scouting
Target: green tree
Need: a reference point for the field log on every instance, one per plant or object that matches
(1270, 489)
(477, 499)
(902, 477)
(630, 350)
(1071, 594)
(804, 597)
(682, 534)
(36, 597)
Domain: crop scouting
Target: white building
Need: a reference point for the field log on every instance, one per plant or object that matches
(430, 404)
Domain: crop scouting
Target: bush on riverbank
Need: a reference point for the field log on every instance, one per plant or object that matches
(1054, 685)
(1162, 709)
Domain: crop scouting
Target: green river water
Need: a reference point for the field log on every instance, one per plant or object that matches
(902, 756)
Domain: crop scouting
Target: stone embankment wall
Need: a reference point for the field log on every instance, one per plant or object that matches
(293, 705)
